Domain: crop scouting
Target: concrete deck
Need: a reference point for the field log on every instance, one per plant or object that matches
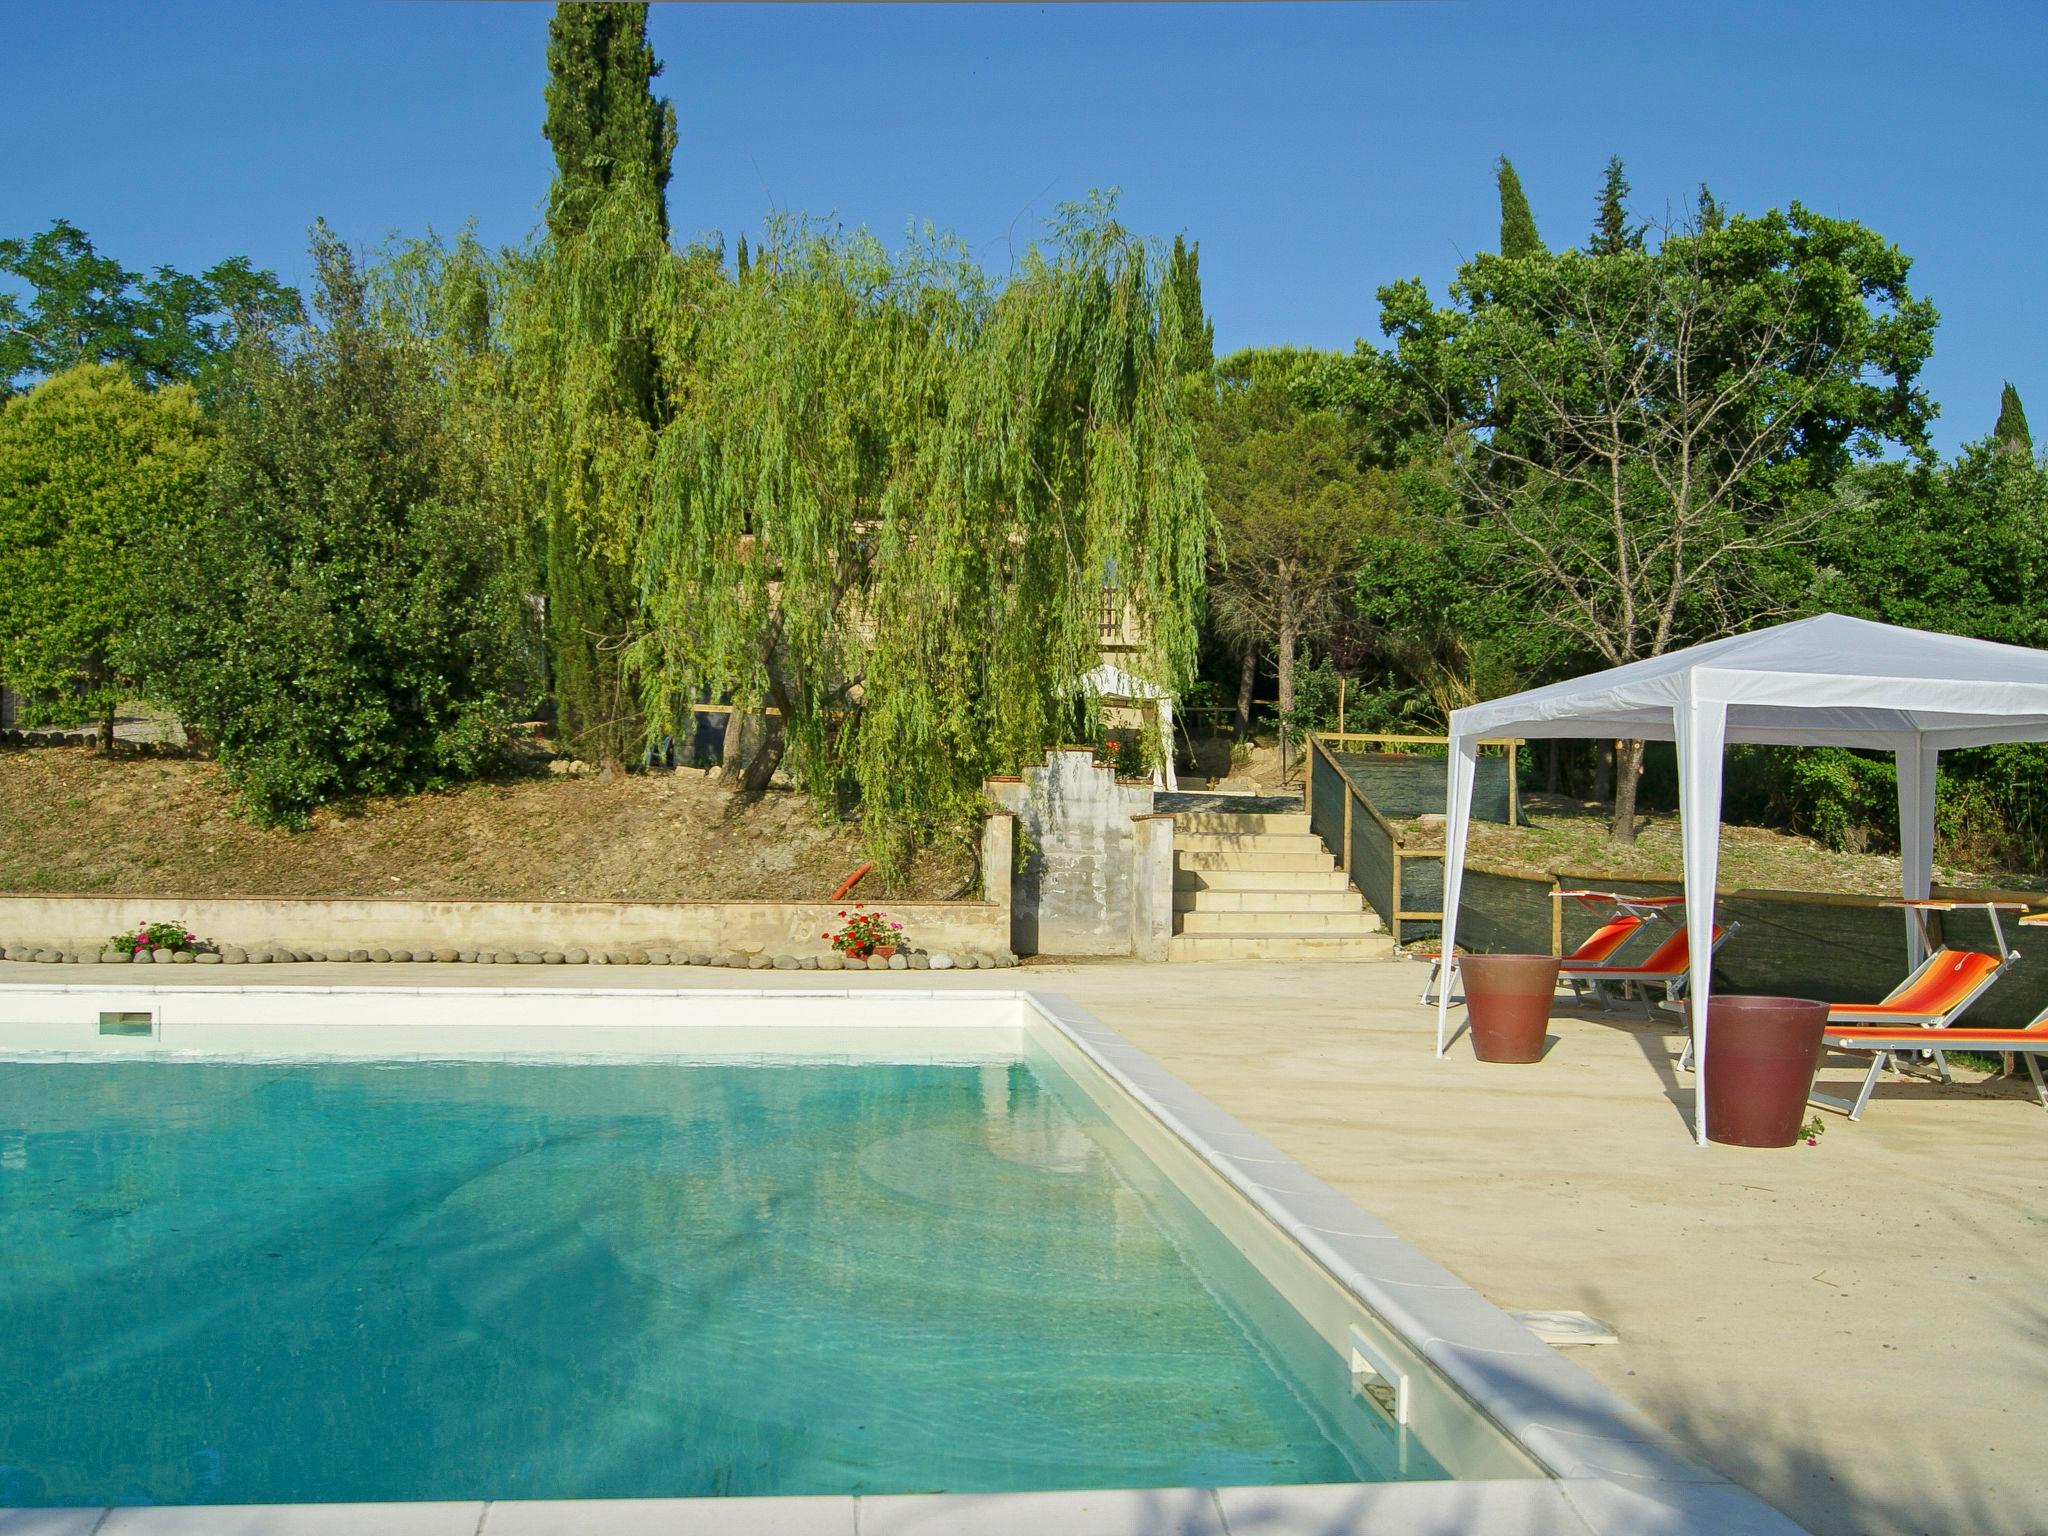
(1858, 1331)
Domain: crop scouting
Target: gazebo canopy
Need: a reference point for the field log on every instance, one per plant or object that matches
(1825, 681)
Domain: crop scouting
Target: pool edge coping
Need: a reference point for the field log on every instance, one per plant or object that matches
(1609, 1471)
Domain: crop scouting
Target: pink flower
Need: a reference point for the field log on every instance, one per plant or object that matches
(895, 925)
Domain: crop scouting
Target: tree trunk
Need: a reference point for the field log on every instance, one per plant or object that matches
(746, 744)
(1283, 663)
(1247, 683)
(107, 732)
(1628, 769)
(1553, 767)
(1283, 660)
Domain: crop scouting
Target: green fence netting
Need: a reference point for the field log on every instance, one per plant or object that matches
(1325, 799)
(1370, 860)
(1838, 949)
(1404, 785)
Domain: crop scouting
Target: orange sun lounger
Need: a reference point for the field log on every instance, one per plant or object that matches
(1919, 1014)
(1666, 964)
(1631, 915)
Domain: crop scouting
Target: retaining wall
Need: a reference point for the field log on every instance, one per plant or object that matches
(713, 927)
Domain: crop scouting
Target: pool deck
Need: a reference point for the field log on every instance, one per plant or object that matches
(1858, 1332)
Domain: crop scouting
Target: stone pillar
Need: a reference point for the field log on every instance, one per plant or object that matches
(1075, 854)
(1152, 887)
(999, 867)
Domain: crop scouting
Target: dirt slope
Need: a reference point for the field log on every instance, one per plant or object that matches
(71, 821)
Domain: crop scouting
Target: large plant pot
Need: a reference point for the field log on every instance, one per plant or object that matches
(1761, 1055)
(1507, 1003)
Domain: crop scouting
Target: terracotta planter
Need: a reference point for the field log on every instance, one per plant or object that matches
(885, 951)
(1761, 1055)
(1507, 1002)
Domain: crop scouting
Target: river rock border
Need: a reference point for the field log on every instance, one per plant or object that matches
(229, 954)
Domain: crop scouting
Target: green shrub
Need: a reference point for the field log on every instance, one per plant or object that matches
(344, 620)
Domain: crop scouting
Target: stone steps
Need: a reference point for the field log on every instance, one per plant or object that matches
(1188, 899)
(1237, 823)
(1280, 946)
(1248, 842)
(1249, 880)
(1261, 886)
(1205, 861)
(1248, 923)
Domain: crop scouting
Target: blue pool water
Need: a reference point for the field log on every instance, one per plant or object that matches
(249, 1282)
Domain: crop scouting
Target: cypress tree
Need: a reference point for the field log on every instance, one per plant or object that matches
(1518, 235)
(2011, 434)
(1197, 346)
(611, 135)
(603, 118)
(1612, 234)
(743, 258)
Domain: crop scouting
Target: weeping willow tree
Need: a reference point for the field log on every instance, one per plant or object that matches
(890, 505)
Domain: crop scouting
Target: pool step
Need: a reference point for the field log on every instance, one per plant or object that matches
(1261, 886)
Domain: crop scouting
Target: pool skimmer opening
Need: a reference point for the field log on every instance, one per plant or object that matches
(1374, 1379)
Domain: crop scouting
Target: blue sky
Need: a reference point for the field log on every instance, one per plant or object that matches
(1314, 152)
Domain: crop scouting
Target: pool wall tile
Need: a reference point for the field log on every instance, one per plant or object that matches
(1611, 1507)
(771, 1516)
(449, 1519)
(1521, 1508)
(1114, 1512)
(49, 1522)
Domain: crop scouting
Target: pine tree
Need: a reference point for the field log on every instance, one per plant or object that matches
(613, 138)
(743, 258)
(1518, 235)
(2011, 434)
(1612, 233)
(1198, 335)
(1709, 215)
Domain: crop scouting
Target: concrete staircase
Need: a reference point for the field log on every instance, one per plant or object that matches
(1258, 885)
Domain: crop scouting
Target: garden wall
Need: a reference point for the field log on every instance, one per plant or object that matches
(747, 927)
(85, 923)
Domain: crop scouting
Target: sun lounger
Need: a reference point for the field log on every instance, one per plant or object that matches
(1920, 1013)
(1631, 915)
(1667, 965)
(1884, 1041)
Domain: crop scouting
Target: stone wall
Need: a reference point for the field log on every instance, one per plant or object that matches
(747, 927)
(1086, 880)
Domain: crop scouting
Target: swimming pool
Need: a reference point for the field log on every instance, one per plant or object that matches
(304, 1247)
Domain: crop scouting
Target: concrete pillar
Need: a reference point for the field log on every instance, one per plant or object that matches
(999, 869)
(1152, 887)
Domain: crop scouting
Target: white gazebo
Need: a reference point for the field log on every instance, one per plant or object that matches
(1826, 681)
